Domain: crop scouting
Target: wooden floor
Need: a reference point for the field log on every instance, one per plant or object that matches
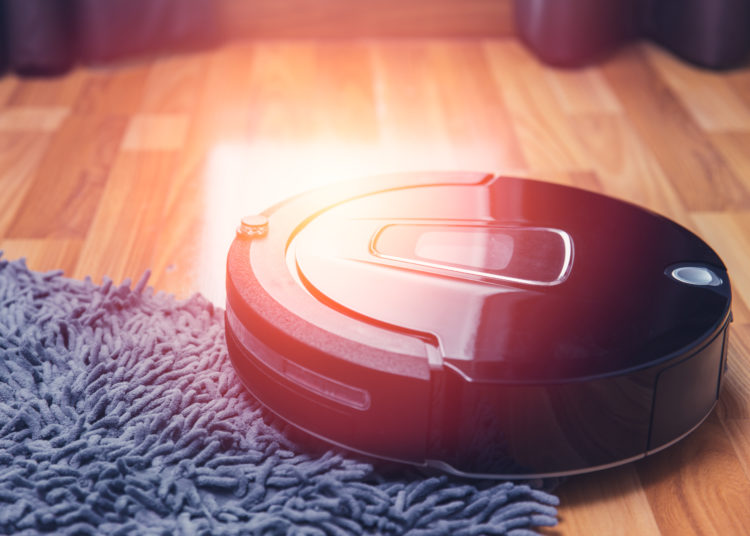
(151, 164)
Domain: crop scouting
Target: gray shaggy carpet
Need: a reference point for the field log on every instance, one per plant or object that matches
(121, 414)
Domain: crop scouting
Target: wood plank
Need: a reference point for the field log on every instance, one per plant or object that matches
(32, 118)
(198, 211)
(734, 401)
(729, 235)
(628, 168)
(739, 80)
(174, 84)
(343, 96)
(735, 149)
(70, 179)
(293, 130)
(536, 117)
(582, 91)
(55, 91)
(372, 18)
(20, 155)
(229, 77)
(740, 308)
(222, 114)
(739, 434)
(279, 92)
(733, 408)
(606, 502)
(684, 151)
(477, 120)
(707, 95)
(129, 224)
(697, 486)
(412, 123)
(44, 254)
(180, 257)
(114, 90)
(8, 84)
(155, 132)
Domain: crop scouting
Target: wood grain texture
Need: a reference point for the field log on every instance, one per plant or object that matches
(8, 86)
(729, 234)
(701, 470)
(156, 132)
(112, 90)
(412, 122)
(151, 165)
(739, 80)
(598, 503)
(610, 146)
(739, 434)
(582, 91)
(32, 118)
(344, 102)
(733, 408)
(69, 181)
(61, 91)
(323, 19)
(131, 207)
(20, 155)
(734, 147)
(44, 254)
(736, 402)
(174, 84)
(681, 147)
(538, 120)
(708, 96)
(475, 114)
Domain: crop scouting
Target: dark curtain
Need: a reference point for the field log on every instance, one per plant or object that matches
(45, 37)
(571, 33)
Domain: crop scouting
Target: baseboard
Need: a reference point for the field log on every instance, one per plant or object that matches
(366, 18)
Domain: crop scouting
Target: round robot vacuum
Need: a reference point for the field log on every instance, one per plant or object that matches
(484, 325)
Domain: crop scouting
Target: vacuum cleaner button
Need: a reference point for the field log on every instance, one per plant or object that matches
(253, 226)
(696, 275)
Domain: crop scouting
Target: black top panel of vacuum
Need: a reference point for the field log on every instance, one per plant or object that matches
(487, 326)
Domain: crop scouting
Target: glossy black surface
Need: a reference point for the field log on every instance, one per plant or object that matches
(515, 279)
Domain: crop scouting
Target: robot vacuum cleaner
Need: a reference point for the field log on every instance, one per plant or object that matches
(484, 325)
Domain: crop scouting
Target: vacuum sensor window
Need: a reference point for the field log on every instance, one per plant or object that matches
(535, 256)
